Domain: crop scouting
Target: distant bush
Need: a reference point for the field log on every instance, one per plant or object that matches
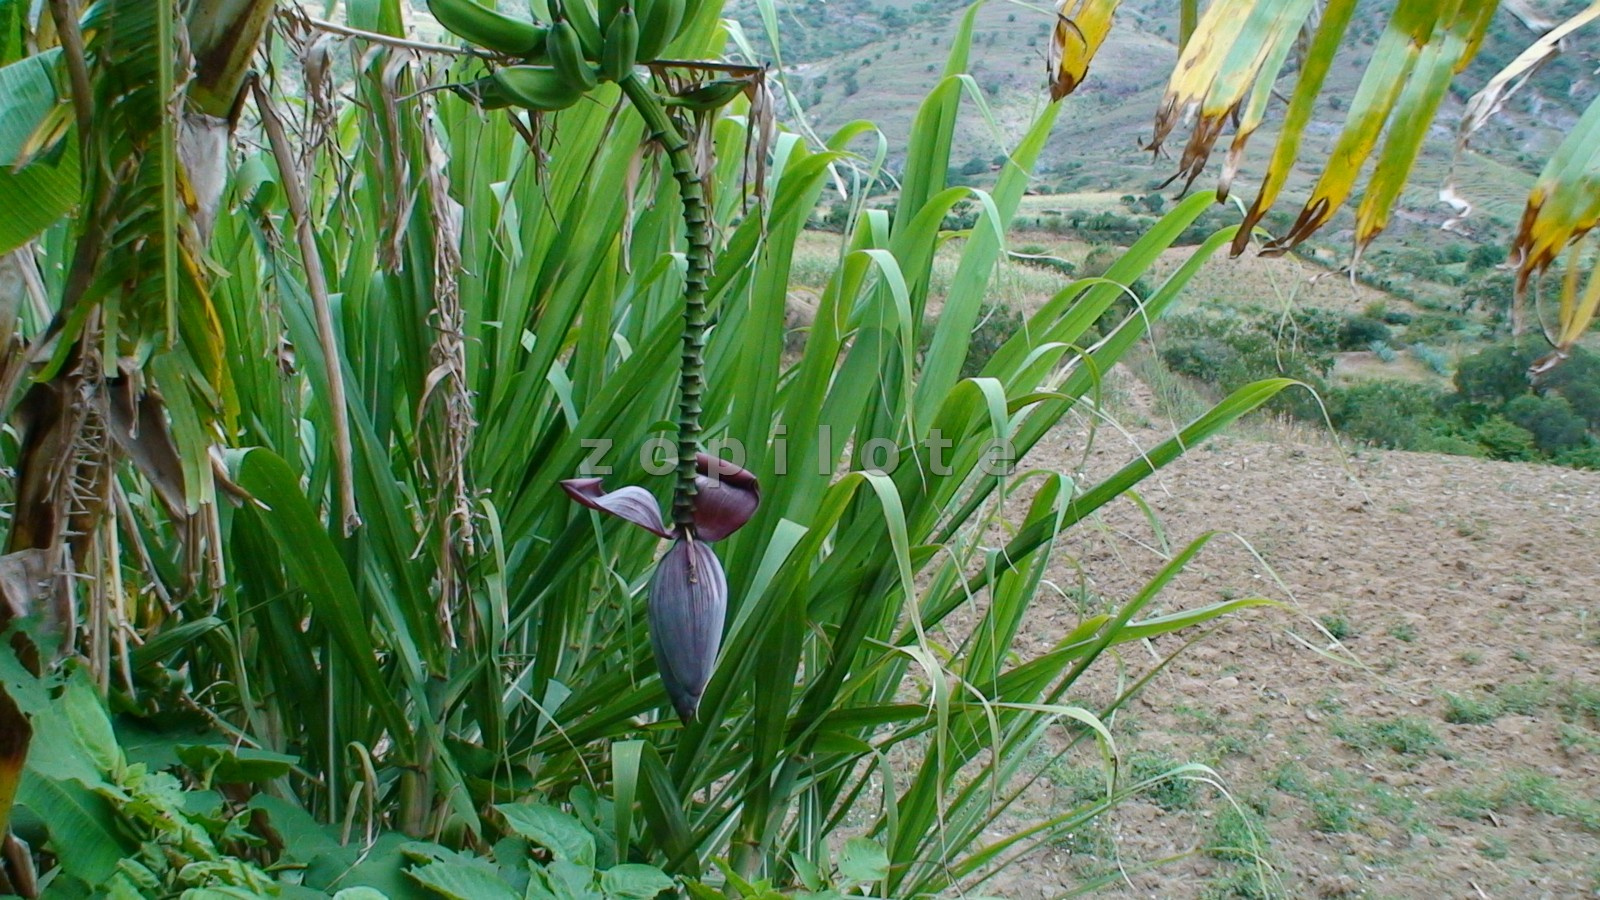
(1587, 457)
(1435, 359)
(1496, 374)
(1383, 351)
(1556, 429)
(1578, 380)
(1359, 332)
(1430, 326)
(1230, 351)
(1501, 439)
(1316, 330)
(1398, 415)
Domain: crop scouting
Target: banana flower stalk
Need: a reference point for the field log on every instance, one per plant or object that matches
(688, 592)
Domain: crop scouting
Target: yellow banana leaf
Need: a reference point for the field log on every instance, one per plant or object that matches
(1081, 27)
(1562, 208)
(1257, 46)
(1313, 72)
(1410, 29)
(1444, 57)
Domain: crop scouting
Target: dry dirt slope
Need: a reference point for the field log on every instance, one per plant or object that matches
(1461, 758)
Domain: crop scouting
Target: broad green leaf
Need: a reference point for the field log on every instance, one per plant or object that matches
(632, 881)
(27, 95)
(461, 882)
(84, 833)
(863, 861)
(36, 197)
(226, 764)
(552, 829)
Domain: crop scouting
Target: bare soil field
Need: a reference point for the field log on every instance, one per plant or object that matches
(1422, 719)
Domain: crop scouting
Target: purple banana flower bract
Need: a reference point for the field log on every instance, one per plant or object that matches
(727, 497)
(688, 592)
(688, 600)
(632, 503)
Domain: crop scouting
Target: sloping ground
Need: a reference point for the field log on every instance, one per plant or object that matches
(1458, 756)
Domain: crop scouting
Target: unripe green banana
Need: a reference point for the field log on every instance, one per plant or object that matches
(608, 13)
(709, 95)
(486, 92)
(582, 17)
(566, 56)
(488, 28)
(621, 51)
(537, 87)
(659, 22)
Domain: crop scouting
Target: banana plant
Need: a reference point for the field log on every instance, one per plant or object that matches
(561, 62)
(130, 364)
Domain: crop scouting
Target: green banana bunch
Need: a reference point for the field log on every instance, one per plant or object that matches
(536, 87)
(621, 50)
(582, 17)
(489, 28)
(709, 95)
(659, 22)
(485, 92)
(566, 56)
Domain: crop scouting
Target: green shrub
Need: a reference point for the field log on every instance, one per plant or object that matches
(1430, 326)
(1578, 380)
(1315, 330)
(1497, 373)
(1358, 332)
(1399, 415)
(1586, 457)
(1435, 359)
(1229, 351)
(1504, 440)
(1550, 419)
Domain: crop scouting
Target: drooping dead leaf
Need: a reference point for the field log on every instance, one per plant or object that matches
(1081, 27)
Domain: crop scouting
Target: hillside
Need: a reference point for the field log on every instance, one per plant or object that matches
(875, 59)
(1423, 718)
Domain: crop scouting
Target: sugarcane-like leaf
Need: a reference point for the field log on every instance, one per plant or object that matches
(1565, 201)
(1081, 27)
(1445, 56)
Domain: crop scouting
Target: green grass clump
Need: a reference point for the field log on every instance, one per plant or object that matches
(1465, 709)
(1403, 632)
(1240, 833)
(1337, 626)
(1581, 701)
(1471, 803)
(1331, 809)
(1405, 735)
(1167, 790)
(1547, 795)
(1524, 698)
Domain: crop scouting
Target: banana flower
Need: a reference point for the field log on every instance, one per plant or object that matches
(688, 592)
